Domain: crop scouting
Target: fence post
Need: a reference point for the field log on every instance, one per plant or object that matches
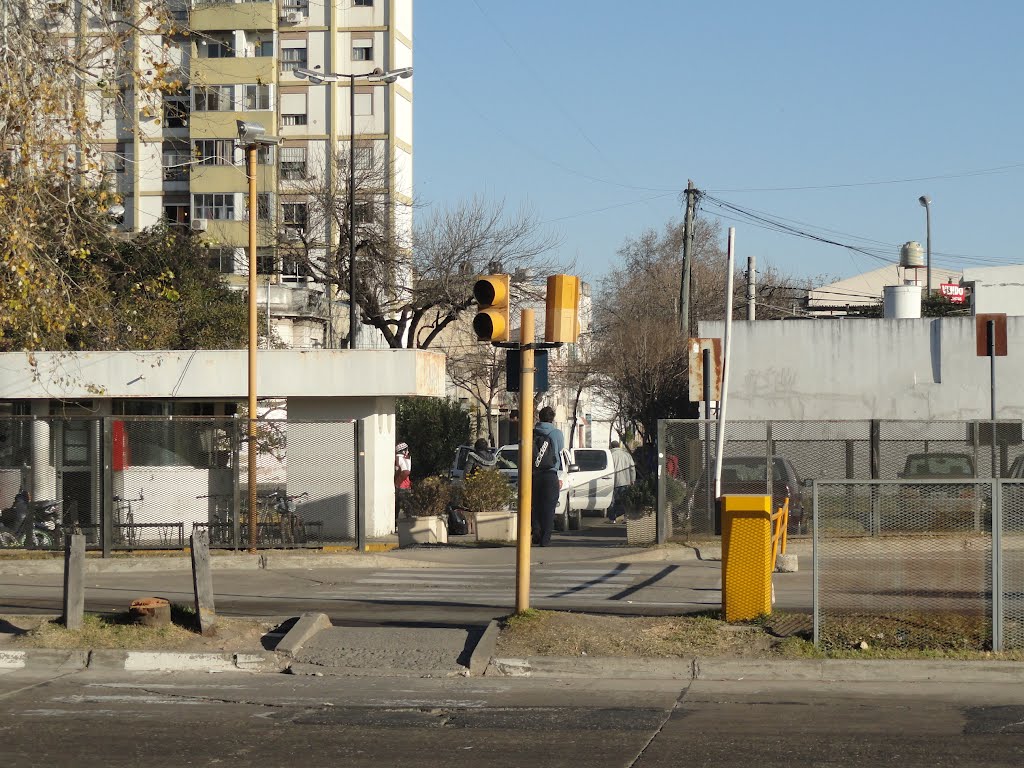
(815, 608)
(663, 527)
(768, 462)
(876, 473)
(236, 483)
(74, 580)
(360, 471)
(202, 581)
(107, 507)
(997, 565)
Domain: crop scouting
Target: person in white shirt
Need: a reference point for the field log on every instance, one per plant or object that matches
(625, 475)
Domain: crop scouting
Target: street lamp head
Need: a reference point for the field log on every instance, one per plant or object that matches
(924, 200)
(115, 211)
(380, 76)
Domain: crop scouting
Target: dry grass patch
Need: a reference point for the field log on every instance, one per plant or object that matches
(117, 632)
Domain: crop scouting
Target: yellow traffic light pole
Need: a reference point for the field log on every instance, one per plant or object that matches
(525, 461)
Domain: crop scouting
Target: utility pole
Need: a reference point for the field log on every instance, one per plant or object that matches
(684, 290)
(751, 287)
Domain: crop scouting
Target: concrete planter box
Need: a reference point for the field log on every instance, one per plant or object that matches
(501, 525)
(641, 526)
(422, 530)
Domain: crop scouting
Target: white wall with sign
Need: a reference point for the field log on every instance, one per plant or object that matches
(996, 289)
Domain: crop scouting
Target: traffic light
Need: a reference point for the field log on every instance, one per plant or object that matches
(491, 321)
(562, 321)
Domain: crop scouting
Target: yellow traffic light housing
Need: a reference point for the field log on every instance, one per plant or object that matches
(492, 294)
(562, 321)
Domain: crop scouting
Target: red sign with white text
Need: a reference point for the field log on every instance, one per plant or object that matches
(955, 293)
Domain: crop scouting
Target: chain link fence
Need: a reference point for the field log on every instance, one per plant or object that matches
(149, 482)
(942, 566)
(779, 457)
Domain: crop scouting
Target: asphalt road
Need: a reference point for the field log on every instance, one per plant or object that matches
(99, 719)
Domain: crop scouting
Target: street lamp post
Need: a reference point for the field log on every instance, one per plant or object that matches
(317, 77)
(252, 135)
(926, 201)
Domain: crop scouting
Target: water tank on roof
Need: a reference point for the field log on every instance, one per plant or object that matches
(911, 254)
(901, 301)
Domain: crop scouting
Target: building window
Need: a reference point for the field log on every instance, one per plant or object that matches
(176, 112)
(263, 48)
(114, 162)
(294, 215)
(176, 163)
(177, 214)
(293, 163)
(364, 158)
(221, 260)
(266, 261)
(363, 3)
(362, 50)
(294, 266)
(293, 58)
(214, 206)
(263, 206)
(364, 212)
(293, 119)
(215, 49)
(213, 98)
(295, 5)
(257, 97)
(215, 151)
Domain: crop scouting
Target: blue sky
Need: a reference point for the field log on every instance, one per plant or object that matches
(595, 113)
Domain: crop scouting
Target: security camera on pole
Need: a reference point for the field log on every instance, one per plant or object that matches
(493, 294)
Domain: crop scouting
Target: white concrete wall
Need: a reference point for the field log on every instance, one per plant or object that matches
(997, 289)
(861, 369)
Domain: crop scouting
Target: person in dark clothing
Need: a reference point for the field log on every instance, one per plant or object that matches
(545, 483)
(481, 457)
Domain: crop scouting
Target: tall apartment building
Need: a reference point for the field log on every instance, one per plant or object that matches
(176, 156)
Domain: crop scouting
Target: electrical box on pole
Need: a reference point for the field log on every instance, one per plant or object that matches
(562, 320)
(492, 297)
(513, 374)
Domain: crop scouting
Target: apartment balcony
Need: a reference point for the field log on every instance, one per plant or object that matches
(223, 125)
(229, 232)
(237, 69)
(230, 178)
(212, 15)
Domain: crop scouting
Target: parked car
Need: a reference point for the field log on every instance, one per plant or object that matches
(937, 506)
(508, 465)
(749, 475)
(593, 480)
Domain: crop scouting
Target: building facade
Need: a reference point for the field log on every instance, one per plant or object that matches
(173, 154)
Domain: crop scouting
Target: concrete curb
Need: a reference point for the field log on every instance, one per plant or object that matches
(242, 562)
(484, 650)
(303, 629)
(837, 670)
(138, 661)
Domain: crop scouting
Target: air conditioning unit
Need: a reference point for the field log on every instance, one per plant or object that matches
(199, 225)
(292, 17)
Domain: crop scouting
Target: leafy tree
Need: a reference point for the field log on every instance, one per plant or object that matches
(433, 428)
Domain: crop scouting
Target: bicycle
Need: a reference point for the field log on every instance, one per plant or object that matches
(125, 531)
(290, 526)
(221, 521)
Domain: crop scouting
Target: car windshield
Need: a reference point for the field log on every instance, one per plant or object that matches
(953, 465)
(508, 458)
(749, 469)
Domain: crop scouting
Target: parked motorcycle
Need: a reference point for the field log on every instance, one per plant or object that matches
(33, 525)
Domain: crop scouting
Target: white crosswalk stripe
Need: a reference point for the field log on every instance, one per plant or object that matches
(472, 584)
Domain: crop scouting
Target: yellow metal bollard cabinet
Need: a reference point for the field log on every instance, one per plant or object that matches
(746, 556)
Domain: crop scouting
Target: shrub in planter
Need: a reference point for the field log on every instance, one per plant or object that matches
(486, 490)
(643, 494)
(430, 497)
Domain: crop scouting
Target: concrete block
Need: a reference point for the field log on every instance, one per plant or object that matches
(497, 526)
(484, 649)
(307, 626)
(786, 564)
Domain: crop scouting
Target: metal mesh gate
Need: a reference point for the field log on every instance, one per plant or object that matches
(148, 482)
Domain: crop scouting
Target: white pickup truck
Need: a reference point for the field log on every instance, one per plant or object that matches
(591, 480)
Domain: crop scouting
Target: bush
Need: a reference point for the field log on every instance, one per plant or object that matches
(486, 490)
(643, 494)
(433, 428)
(430, 497)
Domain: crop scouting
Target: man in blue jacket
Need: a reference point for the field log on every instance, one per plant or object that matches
(545, 481)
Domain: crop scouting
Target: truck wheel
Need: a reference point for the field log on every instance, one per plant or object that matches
(560, 522)
(575, 520)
